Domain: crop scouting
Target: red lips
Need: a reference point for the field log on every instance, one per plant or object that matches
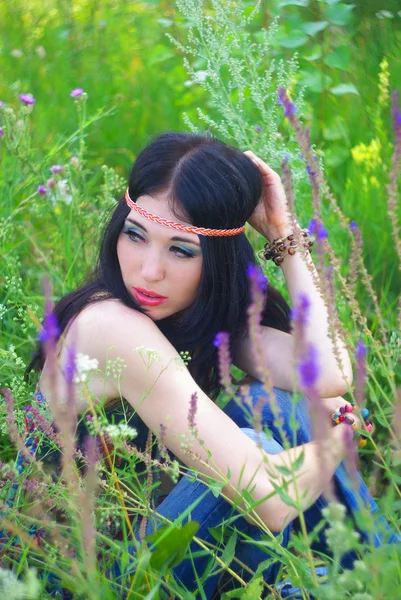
(148, 298)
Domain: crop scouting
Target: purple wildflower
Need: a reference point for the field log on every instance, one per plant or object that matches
(256, 278)
(56, 169)
(193, 407)
(1, 132)
(258, 128)
(222, 343)
(310, 171)
(361, 373)
(308, 368)
(76, 93)
(396, 114)
(42, 190)
(353, 226)
(301, 310)
(289, 107)
(317, 228)
(50, 328)
(71, 365)
(1, 103)
(51, 183)
(27, 99)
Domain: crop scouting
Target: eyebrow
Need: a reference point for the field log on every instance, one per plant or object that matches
(174, 239)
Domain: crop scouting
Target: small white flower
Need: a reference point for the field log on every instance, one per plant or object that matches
(384, 14)
(40, 51)
(199, 77)
(14, 589)
(120, 432)
(62, 191)
(84, 365)
(17, 53)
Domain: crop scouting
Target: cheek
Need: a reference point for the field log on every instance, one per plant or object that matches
(123, 254)
(192, 279)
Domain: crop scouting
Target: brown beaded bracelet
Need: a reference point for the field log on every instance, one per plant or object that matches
(278, 249)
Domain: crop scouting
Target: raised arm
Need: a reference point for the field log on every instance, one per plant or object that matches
(160, 392)
(271, 219)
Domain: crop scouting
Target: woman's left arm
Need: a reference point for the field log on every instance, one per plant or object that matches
(271, 219)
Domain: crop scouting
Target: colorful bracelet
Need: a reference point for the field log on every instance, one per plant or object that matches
(341, 416)
(279, 248)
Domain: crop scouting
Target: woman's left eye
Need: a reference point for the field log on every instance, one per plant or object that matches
(182, 252)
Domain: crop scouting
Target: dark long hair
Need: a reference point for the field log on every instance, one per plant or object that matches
(209, 184)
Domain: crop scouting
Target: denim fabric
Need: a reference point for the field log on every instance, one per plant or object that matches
(211, 511)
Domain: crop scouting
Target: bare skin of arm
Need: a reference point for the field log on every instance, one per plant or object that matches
(161, 393)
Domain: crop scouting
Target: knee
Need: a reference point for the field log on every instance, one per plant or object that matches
(290, 409)
(269, 445)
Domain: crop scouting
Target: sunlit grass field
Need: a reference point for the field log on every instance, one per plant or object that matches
(137, 85)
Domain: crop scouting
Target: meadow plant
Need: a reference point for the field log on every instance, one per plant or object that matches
(254, 102)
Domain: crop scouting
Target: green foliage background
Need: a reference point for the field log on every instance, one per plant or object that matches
(137, 86)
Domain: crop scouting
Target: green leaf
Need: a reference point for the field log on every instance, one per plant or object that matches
(283, 470)
(165, 22)
(314, 27)
(336, 155)
(335, 130)
(298, 462)
(339, 14)
(283, 3)
(293, 40)
(315, 80)
(339, 59)
(284, 496)
(171, 547)
(237, 593)
(152, 593)
(216, 533)
(315, 54)
(229, 551)
(215, 487)
(344, 88)
(253, 589)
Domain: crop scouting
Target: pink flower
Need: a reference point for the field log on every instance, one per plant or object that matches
(76, 93)
(27, 99)
(56, 169)
(1, 132)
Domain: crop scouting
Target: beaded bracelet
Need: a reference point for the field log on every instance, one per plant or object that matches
(279, 248)
(341, 416)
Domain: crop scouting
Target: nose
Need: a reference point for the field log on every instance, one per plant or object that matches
(153, 268)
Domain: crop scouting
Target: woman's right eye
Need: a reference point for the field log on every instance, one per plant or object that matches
(133, 235)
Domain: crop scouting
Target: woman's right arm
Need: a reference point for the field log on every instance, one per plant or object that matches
(160, 391)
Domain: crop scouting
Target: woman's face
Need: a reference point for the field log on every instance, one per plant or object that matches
(161, 267)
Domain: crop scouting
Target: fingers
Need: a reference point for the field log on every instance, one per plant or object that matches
(264, 167)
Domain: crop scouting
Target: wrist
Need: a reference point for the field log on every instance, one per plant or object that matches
(280, 231)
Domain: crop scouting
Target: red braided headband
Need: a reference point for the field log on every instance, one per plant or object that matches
(199, 230)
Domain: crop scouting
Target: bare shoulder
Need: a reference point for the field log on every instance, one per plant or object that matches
(108, 311)
(109, 327)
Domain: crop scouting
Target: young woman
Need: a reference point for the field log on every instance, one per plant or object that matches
(171, 275)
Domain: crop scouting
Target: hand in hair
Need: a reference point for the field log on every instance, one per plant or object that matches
(271, 217)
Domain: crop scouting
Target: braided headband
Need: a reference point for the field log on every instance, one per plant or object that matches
(199, 230)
